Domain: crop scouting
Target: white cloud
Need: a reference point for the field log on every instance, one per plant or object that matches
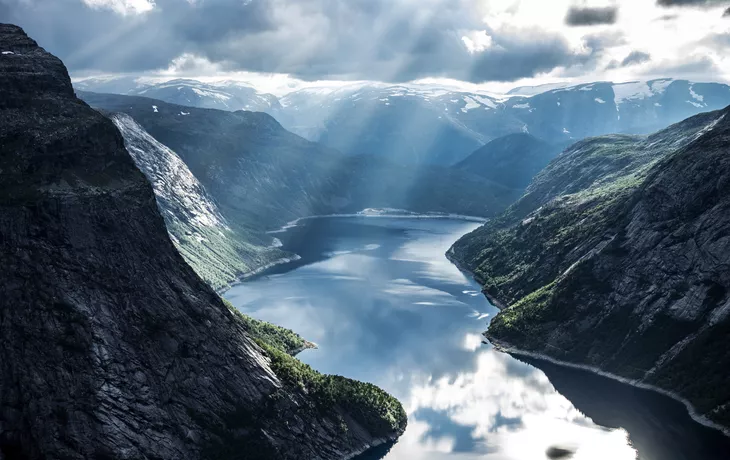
(123, 7)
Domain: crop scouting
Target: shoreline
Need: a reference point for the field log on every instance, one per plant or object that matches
(377, 213)
(369, 213)
(505, 347)
(240, 279)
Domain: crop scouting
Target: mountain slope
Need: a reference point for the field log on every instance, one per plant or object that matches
(111, 346)
(218, 251)
(511, 160)
(622, 264)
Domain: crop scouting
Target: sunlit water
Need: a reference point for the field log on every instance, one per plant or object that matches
(385, 306)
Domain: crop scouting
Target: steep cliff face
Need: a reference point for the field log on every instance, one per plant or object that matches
(112, 347)
(218, 250)
(629, 274)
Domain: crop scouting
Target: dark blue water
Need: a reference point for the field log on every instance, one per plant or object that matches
(385, 306)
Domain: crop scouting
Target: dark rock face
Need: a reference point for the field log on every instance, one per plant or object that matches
(111, 346)
(627, 272)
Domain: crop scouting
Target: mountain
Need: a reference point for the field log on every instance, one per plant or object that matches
(226, 95)
(218, 250)
(511, 160)
(261, 177)
(616, 258)
(112, 347)
(405, 123)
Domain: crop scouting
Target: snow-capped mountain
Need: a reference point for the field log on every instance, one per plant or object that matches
(225, 95)
(418, 123)
(407, 123)
(442, 125)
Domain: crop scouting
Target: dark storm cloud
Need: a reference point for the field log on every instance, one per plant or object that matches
(578, 16)
(385, 40)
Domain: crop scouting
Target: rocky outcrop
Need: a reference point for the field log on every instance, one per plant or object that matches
(112, 347)
(622, 266)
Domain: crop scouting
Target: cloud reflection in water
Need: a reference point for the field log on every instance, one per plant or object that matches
(385, 306)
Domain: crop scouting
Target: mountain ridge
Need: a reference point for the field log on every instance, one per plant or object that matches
(625, 274)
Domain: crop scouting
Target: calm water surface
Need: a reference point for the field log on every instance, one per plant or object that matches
(385, 306)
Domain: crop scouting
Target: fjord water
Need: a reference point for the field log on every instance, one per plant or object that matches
(384, 305)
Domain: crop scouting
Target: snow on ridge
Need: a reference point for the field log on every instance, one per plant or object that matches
(213, 94)
(638, 90)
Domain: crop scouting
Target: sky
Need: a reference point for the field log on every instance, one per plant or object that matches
(490, 44)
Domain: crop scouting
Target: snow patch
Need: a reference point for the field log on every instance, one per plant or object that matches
(488, 103)
(184, 113)
(521, 106)
(154, 107)
(7, 52)
(600, 101)
(694, 95)
(470, 104)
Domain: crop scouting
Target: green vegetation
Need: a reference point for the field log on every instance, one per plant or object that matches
(219, 256)
(373, 408)
(280, 338)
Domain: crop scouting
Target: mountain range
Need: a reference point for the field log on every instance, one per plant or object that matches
(416, 123)
(252, 176)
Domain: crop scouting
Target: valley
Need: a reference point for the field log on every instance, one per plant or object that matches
(208, 261)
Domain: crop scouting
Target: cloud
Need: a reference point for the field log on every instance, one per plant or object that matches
(635, 57)
(387, 40)
(123, 7)
(695, 3)
(692, 67)
(586, 16)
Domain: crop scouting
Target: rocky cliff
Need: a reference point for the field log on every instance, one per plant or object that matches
(216, 248)
(112, 347)
(617, 258)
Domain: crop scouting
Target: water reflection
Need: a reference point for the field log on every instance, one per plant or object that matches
(384, 305)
